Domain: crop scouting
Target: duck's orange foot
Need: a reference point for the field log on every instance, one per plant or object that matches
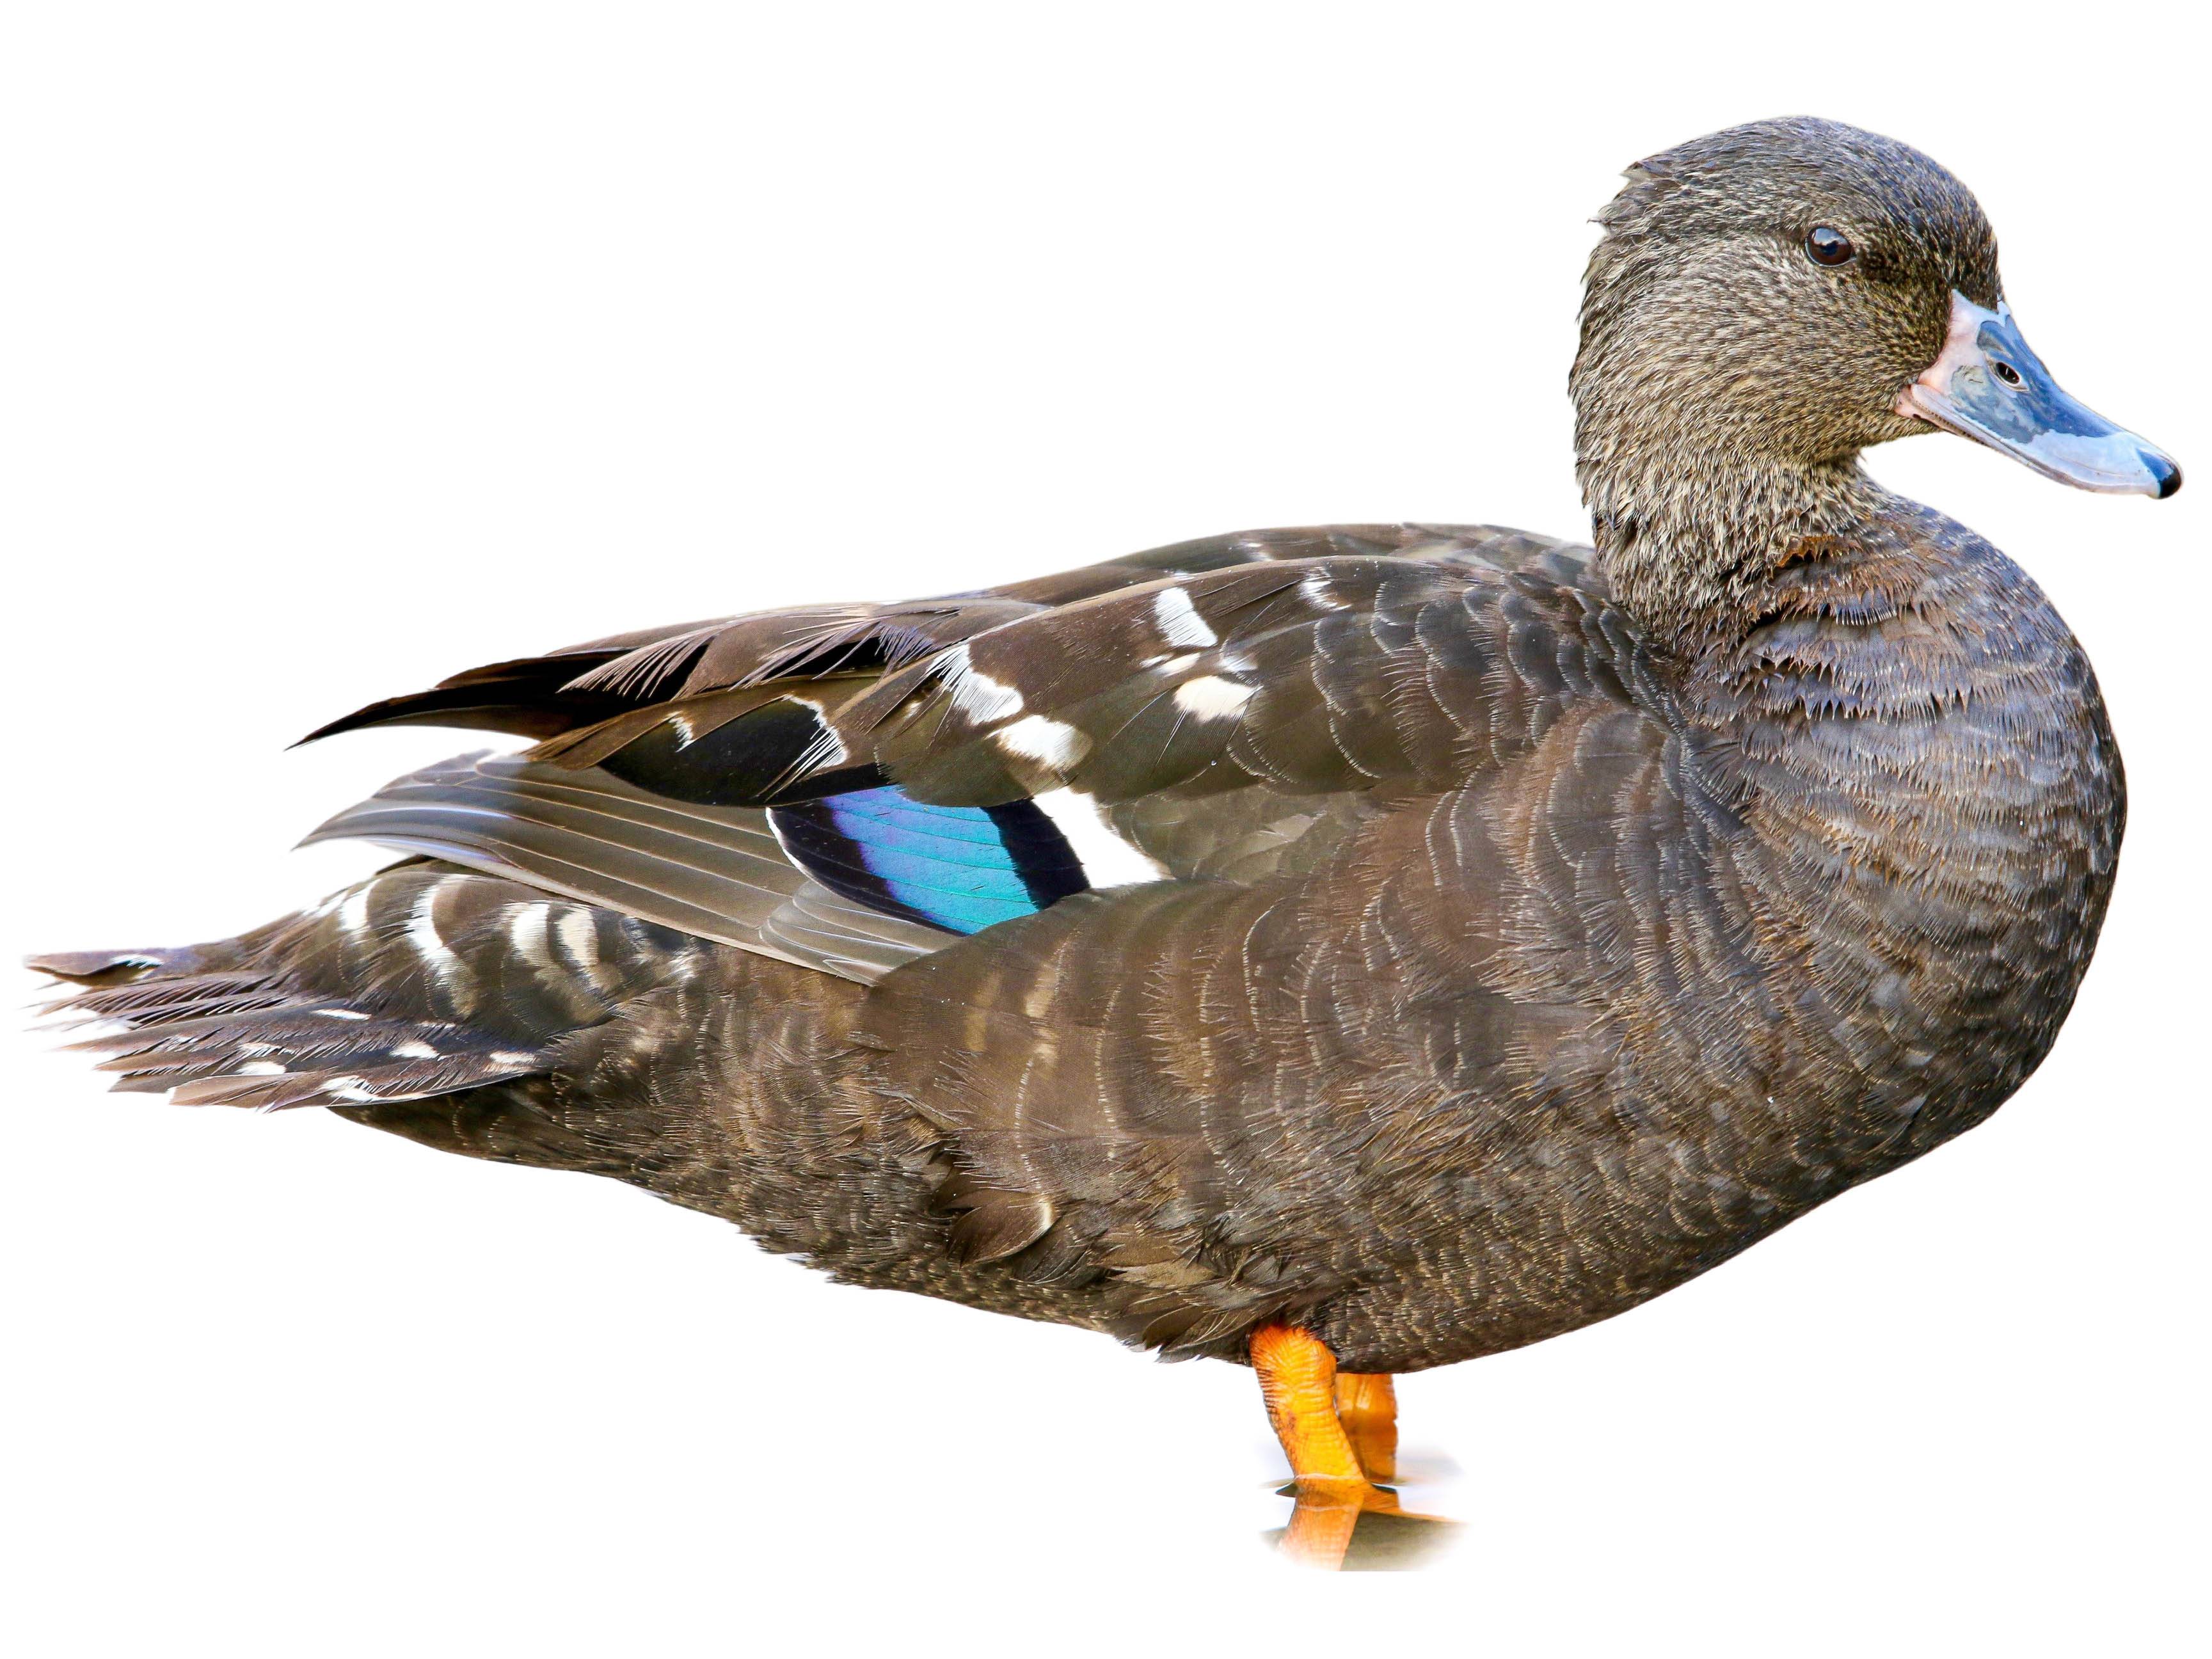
(1340, 1434)
(1367, 1406)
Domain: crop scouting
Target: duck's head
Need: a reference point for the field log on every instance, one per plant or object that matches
(1785, 293)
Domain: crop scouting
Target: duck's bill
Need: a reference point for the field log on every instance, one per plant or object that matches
(1989, 386)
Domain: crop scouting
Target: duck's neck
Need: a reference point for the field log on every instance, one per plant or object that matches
(1692, 546)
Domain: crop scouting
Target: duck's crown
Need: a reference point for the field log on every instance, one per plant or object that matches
(1908, 218)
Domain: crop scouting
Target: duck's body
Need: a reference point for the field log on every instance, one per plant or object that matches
(1544, 1013)
(1483, 935)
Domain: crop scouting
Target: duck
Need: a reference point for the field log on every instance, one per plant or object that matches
(1340, 951)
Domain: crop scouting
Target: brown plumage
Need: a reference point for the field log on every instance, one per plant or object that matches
(1434, 938)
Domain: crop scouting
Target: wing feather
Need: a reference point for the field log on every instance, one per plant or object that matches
(1228, 707)
(716, 873)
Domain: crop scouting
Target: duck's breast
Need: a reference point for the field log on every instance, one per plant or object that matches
(1929, 773)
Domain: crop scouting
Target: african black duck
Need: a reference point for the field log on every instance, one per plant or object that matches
(1365, 947)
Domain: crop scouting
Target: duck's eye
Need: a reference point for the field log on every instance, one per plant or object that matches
(1829, 246)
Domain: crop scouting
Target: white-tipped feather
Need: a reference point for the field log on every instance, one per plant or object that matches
(1108, 859)
(353, 913)
(1317, 591)
(530, 930)
(580, 939)
(1053, 744)
(448, 970)
(975, 694)
(1180, 624)
(1210, 697)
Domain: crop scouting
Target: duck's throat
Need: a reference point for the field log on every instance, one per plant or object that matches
(1689, 545)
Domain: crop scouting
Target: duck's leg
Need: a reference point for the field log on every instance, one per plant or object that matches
(1298, 1381)
(1367, 1406)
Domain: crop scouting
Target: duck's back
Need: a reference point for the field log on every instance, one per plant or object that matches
(1364, 927)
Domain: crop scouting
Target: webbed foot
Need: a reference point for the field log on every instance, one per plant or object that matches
(1340, 1434)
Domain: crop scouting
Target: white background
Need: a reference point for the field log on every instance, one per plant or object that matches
(350, 346)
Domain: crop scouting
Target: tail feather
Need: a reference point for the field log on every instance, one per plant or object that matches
(104, 969)
(423, 981)
(302, 1052)
(188, 998)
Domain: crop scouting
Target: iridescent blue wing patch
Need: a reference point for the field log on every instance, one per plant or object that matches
(961, 868)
